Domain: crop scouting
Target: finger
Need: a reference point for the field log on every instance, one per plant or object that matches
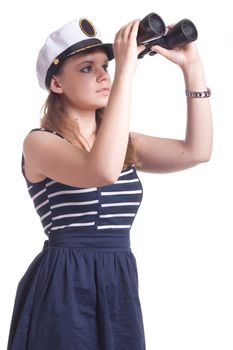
(140, 48)
(134, 28)
(125, 31)
(169, 26)
(119, 33)
(161, 50)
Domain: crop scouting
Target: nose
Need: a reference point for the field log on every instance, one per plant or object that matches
(101, 74)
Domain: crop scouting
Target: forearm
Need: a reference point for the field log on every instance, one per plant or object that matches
(198, 139)
(112, 139)
(111, 142)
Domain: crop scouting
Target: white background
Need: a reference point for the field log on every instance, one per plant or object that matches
(182, 236)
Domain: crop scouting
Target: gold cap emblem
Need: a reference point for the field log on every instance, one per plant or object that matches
(87, 27)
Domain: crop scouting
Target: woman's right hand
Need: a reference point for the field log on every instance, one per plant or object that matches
(125, 48)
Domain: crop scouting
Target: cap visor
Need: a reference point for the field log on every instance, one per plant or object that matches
(106, 47)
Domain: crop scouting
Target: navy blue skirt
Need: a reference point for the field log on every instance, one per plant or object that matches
(79, 293)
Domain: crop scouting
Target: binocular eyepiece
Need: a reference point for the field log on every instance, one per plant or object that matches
(152, 31)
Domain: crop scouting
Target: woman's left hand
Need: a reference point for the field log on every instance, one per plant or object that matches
(182, 56)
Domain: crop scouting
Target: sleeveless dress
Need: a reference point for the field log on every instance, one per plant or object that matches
(81, 291)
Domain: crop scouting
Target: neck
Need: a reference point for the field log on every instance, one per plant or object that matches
(86, 125)
(85, 120)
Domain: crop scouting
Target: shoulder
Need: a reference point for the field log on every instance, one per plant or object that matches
(38, 133)
(40, 137)
(43, 149)
(42, 145)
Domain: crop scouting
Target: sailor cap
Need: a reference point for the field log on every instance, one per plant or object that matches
(75, 37)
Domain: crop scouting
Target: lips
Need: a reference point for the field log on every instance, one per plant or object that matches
(104, 90)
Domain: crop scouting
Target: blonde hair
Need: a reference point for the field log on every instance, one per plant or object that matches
(53, 117)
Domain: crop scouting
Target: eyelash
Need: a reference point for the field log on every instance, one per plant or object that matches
(89, 68)
(105, 66)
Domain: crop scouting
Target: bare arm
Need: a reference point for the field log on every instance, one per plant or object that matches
(46, 155)
(167, 155)
(112, 139)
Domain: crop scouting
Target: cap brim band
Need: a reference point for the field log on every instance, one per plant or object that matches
(107, 47)
(73, 50)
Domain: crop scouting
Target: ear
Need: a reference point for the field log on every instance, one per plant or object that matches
(56, 85)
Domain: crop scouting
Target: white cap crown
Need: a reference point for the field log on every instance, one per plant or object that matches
(74, 37)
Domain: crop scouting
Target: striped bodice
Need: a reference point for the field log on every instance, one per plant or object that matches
(110, 207)
(66, 208)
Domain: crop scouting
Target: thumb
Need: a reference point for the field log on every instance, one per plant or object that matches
(161, 50)
(140, 48)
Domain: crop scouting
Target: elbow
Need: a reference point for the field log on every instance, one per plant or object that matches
(198, 154)
(108, 171)
(202, 157)
(104, 181)
(206, 155)
(104, 178)
(109, 178)
(102, 173)
(206, 158)
(203, 160)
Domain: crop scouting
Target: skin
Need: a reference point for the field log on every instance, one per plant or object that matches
(84, 85)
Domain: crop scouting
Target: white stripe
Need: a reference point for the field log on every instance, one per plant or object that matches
(73, 203)
(126, 181)
(45, 215)
(85, 190)
(126, 172)
(42, 204)
(74, 215)
(73, 225)
(119, 204)
(30, 187)
(50, 183)
(38, 194)
(120, 192)
(47, 226)
(117, 215)
(113, 226)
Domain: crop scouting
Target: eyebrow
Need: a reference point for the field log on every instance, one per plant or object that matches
(91, 61)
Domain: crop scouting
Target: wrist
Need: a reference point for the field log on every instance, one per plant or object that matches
(194, 77)
(123, 76)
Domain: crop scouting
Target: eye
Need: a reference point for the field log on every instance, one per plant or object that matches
(105, 67)
(86, 69)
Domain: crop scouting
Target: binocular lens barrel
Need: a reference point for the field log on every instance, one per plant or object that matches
(157, 25)
(183, 32)
(151, 27)
(189, 30)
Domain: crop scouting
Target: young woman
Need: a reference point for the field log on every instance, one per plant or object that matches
(81, 291)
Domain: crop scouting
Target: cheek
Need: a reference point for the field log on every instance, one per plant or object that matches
(79, 93)
(76, 89)
(109, 79)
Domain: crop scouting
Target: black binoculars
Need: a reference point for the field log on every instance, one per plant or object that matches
(152, 31)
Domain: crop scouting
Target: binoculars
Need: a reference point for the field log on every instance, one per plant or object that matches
(152, 31)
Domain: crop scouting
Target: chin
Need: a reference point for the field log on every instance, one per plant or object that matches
(101, 105)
